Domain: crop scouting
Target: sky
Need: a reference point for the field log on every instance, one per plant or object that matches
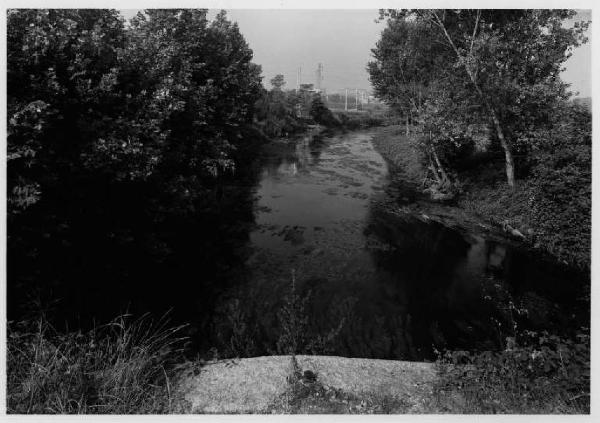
(285, 40)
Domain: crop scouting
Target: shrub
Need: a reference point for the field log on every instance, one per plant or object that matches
(540, 373)
(562, 183)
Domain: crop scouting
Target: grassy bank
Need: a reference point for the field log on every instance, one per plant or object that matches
(486, 197)
(536, 373)
(483, 194)
(400, 152)
(124, 367)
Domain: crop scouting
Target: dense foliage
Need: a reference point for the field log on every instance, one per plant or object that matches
(123, 141)
(277, 111)
(458, 67)
(88, 94)
(481, 87)
(281, 112)
(538, 373)
(561, 185)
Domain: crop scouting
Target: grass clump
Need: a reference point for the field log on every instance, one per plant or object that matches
(542, 374)
(119, 368)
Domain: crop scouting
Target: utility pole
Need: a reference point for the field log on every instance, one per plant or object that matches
(346, 103)
(356, 99)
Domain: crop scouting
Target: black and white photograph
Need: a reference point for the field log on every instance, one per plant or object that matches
(297, 208)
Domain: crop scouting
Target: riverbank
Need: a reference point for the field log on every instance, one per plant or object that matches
(137, 367)
(485, 202)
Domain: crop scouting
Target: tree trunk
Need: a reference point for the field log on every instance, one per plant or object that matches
(508, 157)
(434, 171)
(406, 118)
(439, 165)
(510, 171)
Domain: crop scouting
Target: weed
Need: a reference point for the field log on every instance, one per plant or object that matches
(293, 320)
(536, 373)
(119, 368)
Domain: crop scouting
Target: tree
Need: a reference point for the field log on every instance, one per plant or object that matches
(277, 82)
(61, 72)
(320, 113)
(406, 64)
(511, 60)
(201, 73)
(171, 92)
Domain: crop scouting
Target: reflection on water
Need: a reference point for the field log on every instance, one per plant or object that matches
(378, 282)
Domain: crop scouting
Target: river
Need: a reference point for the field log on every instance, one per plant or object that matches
(331, 215)
(319, 238)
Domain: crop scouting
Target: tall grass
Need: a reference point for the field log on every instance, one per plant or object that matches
(119, 368)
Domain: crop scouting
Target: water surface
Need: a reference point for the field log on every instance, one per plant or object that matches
(331, 213)
(375, 277)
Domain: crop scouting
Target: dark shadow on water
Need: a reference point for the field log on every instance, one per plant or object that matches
(465, 292)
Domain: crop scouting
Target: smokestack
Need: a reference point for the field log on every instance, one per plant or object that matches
(319, 78)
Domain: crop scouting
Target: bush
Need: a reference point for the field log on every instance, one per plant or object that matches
(540, 374)
(119, 368)
(562, 184)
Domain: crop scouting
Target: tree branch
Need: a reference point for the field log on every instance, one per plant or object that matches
(439, 23)
(474, 31)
